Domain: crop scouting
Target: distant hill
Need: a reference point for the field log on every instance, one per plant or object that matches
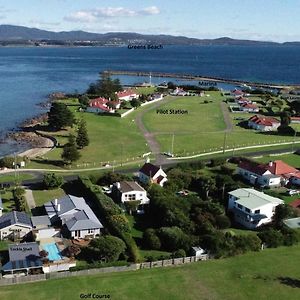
(10, 34)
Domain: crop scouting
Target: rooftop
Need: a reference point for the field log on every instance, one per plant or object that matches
(251, 198)
(15, 217)
(40, 221)
(149, 169)
(128, 186)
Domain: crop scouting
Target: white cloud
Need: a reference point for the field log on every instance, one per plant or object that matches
(151, 10)
(91, 16)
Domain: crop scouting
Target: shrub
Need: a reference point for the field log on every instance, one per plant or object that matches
(179, 253)
(173, 238)
(52, 181)
(7, 162)
(151, 240)
(223, 221)
(271, 237)
(107, 247)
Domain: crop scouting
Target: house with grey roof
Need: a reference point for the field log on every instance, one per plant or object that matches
(14, 225)
(252, 208)
(74, 215)
(125, 191)
(23, 258)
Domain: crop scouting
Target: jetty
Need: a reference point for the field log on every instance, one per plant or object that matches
(201, 78)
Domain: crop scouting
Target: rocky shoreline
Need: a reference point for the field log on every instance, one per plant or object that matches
(26, 134)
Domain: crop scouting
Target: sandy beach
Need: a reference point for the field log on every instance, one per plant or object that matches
(45, 145)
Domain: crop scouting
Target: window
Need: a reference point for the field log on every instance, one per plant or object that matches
(257, 211)
(240, 206)
(247, 210)
(131, 197)
(90, 230)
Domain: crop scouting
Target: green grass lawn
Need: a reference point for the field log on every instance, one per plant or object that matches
(7, 200)
(202, 130)
(11, 177)
(270, 274)
(43, 196)
(111, 139)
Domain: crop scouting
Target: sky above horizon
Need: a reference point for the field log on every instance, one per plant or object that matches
(270, 20)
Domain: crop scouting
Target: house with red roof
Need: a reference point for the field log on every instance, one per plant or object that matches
(150, 173)
(263, 123)
(295, 120)
(242, 100)
(102, 105)
(237, 93)
(274, 173)
(127, 95)
(249, 107)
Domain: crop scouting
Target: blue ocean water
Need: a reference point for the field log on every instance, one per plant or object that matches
(28, 75)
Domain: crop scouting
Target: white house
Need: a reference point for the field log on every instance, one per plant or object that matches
(179, 92)
(75, 216)
(125, 191)
(14, 225)
(258, 174)
(127, 95)
(252, 208)
(263, 123)
(274, 173)
(150, 173)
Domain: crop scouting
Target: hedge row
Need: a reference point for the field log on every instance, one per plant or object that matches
(114, 217)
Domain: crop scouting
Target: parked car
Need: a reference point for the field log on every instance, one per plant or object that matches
(293, 192)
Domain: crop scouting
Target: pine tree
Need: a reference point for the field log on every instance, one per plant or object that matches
(82, 139)
(60, 116)
(70, 152)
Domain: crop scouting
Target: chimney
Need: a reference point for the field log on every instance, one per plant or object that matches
(55, 201)
(118, 185)
(58, 207)
(270, 163)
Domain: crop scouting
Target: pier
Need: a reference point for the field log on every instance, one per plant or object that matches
(200, 78)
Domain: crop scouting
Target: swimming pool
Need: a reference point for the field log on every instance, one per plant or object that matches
(53, 251)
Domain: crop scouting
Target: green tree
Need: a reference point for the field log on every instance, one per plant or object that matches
(82, 139)
(107, 247)
(151, 240)
(60, 116)
(70, 152)
(271, 237)
(52, 181)
(84, 101)
(106, 87)
(135, 103)
(132, 206)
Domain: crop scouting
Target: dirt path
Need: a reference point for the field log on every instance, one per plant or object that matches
(150, 137)
(226, 116)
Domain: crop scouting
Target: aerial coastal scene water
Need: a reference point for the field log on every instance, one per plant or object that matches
(29, 75)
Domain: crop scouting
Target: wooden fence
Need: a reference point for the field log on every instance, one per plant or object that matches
(131, 267)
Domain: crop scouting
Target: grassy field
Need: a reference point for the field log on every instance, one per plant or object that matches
(111, 138)
(270, 274)
(7, 200)
(202, 129)
(11, 177)
(43, 196)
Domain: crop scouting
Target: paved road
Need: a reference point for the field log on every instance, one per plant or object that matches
(29, 198)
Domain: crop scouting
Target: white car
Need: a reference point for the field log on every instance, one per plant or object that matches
(106, 190)
(293, 192)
